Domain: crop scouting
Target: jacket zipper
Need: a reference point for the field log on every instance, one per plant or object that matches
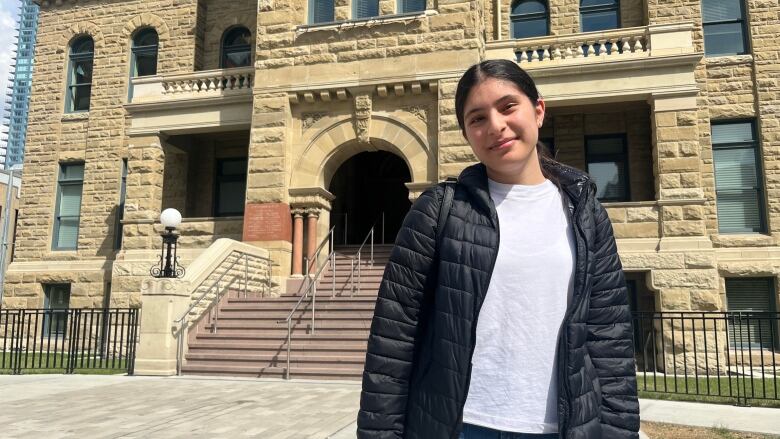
(458, 425)
(563, 341)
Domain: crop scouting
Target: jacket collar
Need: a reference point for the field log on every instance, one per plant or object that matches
(573, 181)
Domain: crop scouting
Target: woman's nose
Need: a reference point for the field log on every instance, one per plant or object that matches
(496, 124)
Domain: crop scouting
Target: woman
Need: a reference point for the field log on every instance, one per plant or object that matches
(526, 336)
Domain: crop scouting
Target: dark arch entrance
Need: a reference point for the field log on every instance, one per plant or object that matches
(366, 186)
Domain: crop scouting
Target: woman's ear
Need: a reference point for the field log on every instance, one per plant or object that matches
(539, 110)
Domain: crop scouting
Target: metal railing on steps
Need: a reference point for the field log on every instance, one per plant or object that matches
(217, 286)
(312, 288)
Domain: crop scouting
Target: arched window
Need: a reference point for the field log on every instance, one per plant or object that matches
(365, 8)
(529, 18)
(80, 74)
(236, 48)
(144, 60)
(321, 11)
(412, 6)
(596, 15)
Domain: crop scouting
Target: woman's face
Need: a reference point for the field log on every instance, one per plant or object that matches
(502, 127)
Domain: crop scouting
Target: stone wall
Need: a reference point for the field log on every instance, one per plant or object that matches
(95, 138)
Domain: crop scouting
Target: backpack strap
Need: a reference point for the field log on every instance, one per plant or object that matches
(444, 209)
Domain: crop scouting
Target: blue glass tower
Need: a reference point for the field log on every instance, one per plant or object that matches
(19, 87)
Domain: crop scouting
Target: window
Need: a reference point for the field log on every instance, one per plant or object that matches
(13, 237)
(738, 183)
(596, 15)
(411, 6)
(80, 74)
(607, 163)
(120, 211)
(56, 301)
(66, 217)
(724, 27)
(754, 296)
(321, 11)
(231, 187)
(365, 8)
(144, 59)
(529, 19)
(236, 48)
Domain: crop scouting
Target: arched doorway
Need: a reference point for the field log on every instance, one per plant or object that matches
(369, 189)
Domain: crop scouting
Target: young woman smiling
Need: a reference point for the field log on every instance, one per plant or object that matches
(503, 312)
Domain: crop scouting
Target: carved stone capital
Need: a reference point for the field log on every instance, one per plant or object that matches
(314, 197)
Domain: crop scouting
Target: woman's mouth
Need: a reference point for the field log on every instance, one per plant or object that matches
(503, 143)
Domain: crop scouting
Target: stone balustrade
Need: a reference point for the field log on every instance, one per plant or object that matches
(208, 83)
(596, 47)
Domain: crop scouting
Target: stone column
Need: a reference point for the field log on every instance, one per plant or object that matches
(688, 279)
(312, 215)
(297, 251)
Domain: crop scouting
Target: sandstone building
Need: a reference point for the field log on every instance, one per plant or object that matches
(271, 121)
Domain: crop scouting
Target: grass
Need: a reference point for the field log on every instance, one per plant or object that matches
(709, 389)
(657, 430)
(36, 363)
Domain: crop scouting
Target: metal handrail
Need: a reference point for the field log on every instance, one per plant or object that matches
(327, 238)
(351, 276)
(181, 321)
(312, 287)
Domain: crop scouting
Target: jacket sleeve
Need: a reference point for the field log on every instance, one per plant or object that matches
(610, 336)
(394, 327)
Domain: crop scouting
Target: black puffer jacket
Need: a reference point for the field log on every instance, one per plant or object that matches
(423, 334)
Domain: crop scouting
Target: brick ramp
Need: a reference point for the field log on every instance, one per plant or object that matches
(249, 341)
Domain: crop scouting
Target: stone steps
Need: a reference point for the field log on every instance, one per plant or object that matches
(250, 340)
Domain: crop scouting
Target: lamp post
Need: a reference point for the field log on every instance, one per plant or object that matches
(169, 262)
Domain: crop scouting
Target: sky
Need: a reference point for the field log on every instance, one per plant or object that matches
(9, 11)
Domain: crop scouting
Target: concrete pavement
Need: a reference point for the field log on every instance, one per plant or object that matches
(95, 406)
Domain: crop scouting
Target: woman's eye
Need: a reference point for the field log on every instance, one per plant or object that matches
(476, 120)
(509, 107)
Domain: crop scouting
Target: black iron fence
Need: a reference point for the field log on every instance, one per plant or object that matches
(733, 355)
(68, 340)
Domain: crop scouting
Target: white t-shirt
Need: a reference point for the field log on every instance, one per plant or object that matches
(513, 377)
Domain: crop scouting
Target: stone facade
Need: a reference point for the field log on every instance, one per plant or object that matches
(321, 93)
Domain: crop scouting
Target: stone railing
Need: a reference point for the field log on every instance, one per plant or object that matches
(207, 83)
(596, 47)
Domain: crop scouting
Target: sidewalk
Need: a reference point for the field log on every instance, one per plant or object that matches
(752, 419)
(95, 406)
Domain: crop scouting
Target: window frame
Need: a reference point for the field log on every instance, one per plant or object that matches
(600, 8)
(743, 21)
(143, 50)
(72, 60)
(355, 4)
(55, 314)
(516, 19)
(761, 189)
(61, 181)
(219, 179)
(120, 211)
(312, 5)
(225, 50)
(609, 158)
(772, 306)
(403, 10)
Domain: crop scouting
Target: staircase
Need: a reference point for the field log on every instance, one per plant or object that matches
(249, 341)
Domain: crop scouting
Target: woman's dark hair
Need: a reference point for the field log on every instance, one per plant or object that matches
(504, 70)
